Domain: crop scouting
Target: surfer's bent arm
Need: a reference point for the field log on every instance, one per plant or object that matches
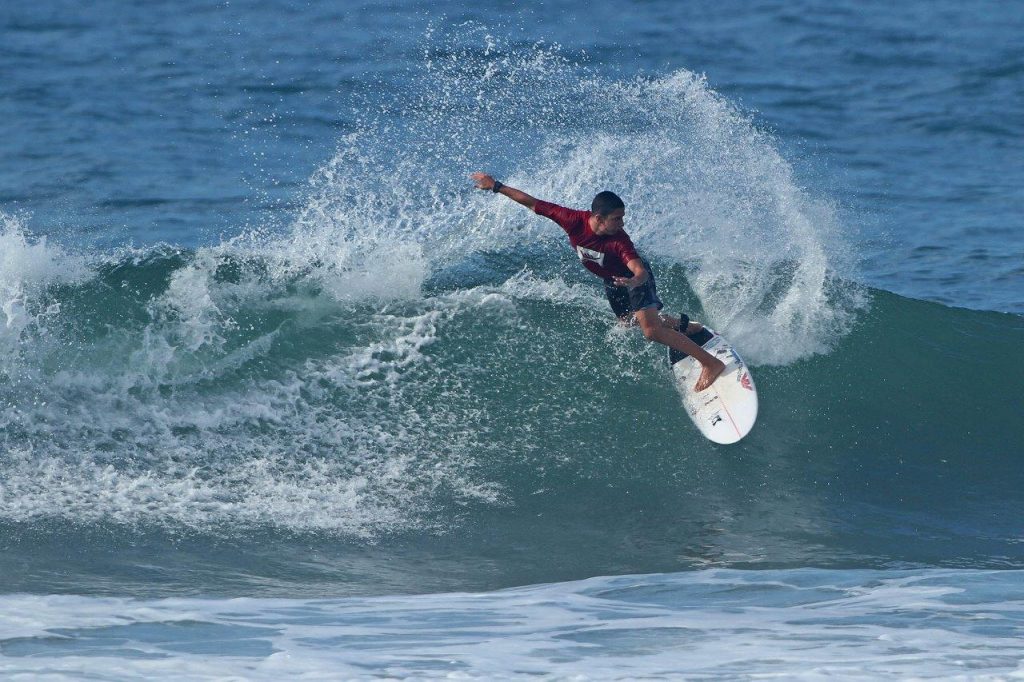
(485, 181)
(636, 266)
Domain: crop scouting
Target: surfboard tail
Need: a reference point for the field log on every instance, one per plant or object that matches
(699, 338)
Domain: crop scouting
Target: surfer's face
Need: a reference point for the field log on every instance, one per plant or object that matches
(611, 223)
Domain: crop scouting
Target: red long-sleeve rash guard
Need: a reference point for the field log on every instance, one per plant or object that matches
(604, 256)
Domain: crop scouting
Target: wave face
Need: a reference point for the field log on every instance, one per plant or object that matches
(231, 395)
(414, 370)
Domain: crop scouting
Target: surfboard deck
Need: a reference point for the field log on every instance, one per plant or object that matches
(726, 411)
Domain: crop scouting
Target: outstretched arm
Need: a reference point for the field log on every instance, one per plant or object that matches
(485, 181)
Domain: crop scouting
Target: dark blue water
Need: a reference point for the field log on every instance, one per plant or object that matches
(261, 341)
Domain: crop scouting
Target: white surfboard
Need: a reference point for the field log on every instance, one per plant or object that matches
(726, 411)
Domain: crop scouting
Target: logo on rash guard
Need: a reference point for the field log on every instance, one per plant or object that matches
(590, 254)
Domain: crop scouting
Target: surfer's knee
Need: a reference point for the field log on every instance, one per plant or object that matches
(650, 323)
(650, 331)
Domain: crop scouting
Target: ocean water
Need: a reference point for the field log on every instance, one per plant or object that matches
(281, 395)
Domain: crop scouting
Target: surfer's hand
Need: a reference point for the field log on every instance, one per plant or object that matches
(628, 282)
(708, 374)
(482, 180)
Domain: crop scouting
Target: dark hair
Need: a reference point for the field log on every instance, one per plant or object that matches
(605, 202)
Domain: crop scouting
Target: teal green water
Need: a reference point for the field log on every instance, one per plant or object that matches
(203, 416)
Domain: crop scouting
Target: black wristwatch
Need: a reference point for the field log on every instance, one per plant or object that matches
(497, 186)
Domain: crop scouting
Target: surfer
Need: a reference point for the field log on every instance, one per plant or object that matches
(606, 250)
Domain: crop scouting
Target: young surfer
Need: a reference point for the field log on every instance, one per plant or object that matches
(607, 251)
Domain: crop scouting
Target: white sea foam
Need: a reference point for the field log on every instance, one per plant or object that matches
(357, 440)
(797, 624)
(29, 266)
(339, 443)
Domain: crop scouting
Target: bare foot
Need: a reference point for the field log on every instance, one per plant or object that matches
(708, 374)
(693, 328)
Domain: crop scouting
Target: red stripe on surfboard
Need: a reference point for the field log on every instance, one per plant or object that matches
(729, 414)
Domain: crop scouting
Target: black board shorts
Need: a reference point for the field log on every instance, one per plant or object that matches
(626, 301)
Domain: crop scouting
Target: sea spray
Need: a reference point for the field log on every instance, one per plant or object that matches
(706, 188)
(30, 269)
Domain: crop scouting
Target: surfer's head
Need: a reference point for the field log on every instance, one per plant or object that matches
(608, 213)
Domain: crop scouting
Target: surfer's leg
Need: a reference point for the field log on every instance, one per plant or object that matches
(654, 330)
(674, 323)
(669, 321)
